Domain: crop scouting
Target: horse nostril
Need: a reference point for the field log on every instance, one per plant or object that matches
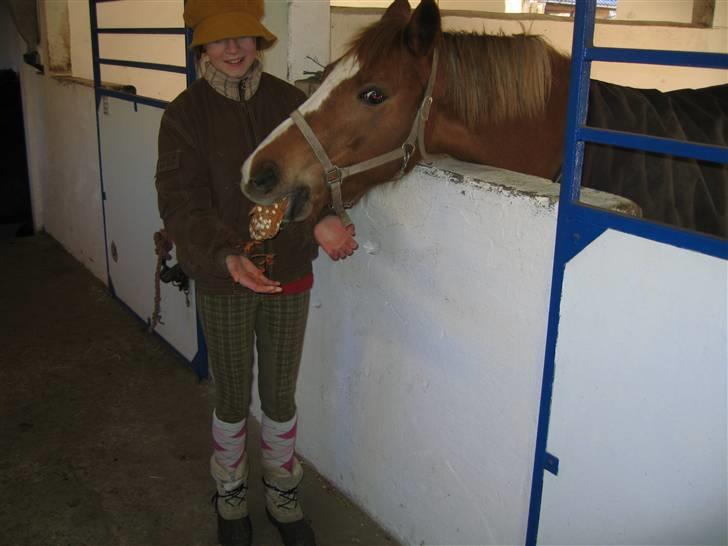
(265, 178)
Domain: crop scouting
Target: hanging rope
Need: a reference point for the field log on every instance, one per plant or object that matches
(174, 275)
(162, 248)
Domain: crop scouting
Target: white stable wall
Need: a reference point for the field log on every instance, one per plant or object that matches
(62, 149)
(419, 389)
(65, 131)
(63, 167)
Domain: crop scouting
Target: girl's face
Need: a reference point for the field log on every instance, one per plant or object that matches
(233, 56)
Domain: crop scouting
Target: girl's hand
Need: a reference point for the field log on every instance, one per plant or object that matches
(245, 272)
(336, 240)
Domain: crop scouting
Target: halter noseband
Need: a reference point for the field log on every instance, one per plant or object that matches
(334, 175)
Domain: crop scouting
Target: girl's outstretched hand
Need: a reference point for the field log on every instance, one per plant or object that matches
(245, 272)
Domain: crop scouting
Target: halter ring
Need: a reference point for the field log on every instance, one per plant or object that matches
(407, 149)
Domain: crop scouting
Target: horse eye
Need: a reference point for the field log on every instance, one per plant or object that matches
(372, 96)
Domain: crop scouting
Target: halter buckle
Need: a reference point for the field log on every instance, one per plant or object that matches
(333, 175)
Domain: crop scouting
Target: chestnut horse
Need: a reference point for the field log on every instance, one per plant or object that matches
(406, 89)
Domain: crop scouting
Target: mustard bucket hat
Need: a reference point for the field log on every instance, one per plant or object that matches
(213, 20)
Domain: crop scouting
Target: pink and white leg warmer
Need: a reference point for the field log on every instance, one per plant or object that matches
(278, 443)
(228, 440)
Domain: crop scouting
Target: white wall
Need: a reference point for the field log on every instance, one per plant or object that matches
(422, 368)
(55, 28)
(678, 11)
(63, 156)
(293, 23)
(275, 59)
(559, 34)
(420, 384)
(61, 141)
(309, 36)
(79, 21)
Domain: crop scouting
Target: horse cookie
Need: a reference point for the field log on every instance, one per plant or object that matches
(265, 220)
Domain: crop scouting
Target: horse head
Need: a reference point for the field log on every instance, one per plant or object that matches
(365, 107)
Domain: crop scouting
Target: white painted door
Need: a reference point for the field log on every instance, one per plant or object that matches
(128, 139)
(638, 416)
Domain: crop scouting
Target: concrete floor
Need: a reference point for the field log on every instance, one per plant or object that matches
(104, 431)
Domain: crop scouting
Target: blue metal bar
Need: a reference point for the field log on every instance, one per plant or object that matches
(131, 97)
(146, 66)
(583, 38)
(660, 145)
(97, 97)
(578, 224)
(655, 56)
(95, 47)
(647, 229)
(145, 30)
(191, 58)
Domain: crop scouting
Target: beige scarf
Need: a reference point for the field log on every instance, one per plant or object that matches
(238, 89)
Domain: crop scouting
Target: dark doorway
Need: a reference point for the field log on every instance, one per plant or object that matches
(16, 218)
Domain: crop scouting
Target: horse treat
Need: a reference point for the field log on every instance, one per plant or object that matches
(265, 220)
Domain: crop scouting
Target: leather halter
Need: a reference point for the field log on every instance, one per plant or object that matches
(335, 175)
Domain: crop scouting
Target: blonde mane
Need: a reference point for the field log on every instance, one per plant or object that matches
(492, 78)
(488, 78)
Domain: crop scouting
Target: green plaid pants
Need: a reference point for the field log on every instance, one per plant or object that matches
(232, 324)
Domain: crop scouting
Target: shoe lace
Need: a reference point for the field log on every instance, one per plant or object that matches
(234, 497)
(289, 497)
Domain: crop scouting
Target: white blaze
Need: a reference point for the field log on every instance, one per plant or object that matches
(344, 70)
(271, 137)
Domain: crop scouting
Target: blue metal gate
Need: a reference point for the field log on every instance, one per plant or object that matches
(579, 225)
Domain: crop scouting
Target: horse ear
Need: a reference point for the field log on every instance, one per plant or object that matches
(399, 9)
(423, 28)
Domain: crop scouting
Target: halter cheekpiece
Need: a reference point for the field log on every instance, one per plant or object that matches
(334, 175)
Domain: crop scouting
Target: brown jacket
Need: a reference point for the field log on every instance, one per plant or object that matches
(204, 139)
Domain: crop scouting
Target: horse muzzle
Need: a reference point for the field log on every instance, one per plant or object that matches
(260, 184)
(263, 188)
